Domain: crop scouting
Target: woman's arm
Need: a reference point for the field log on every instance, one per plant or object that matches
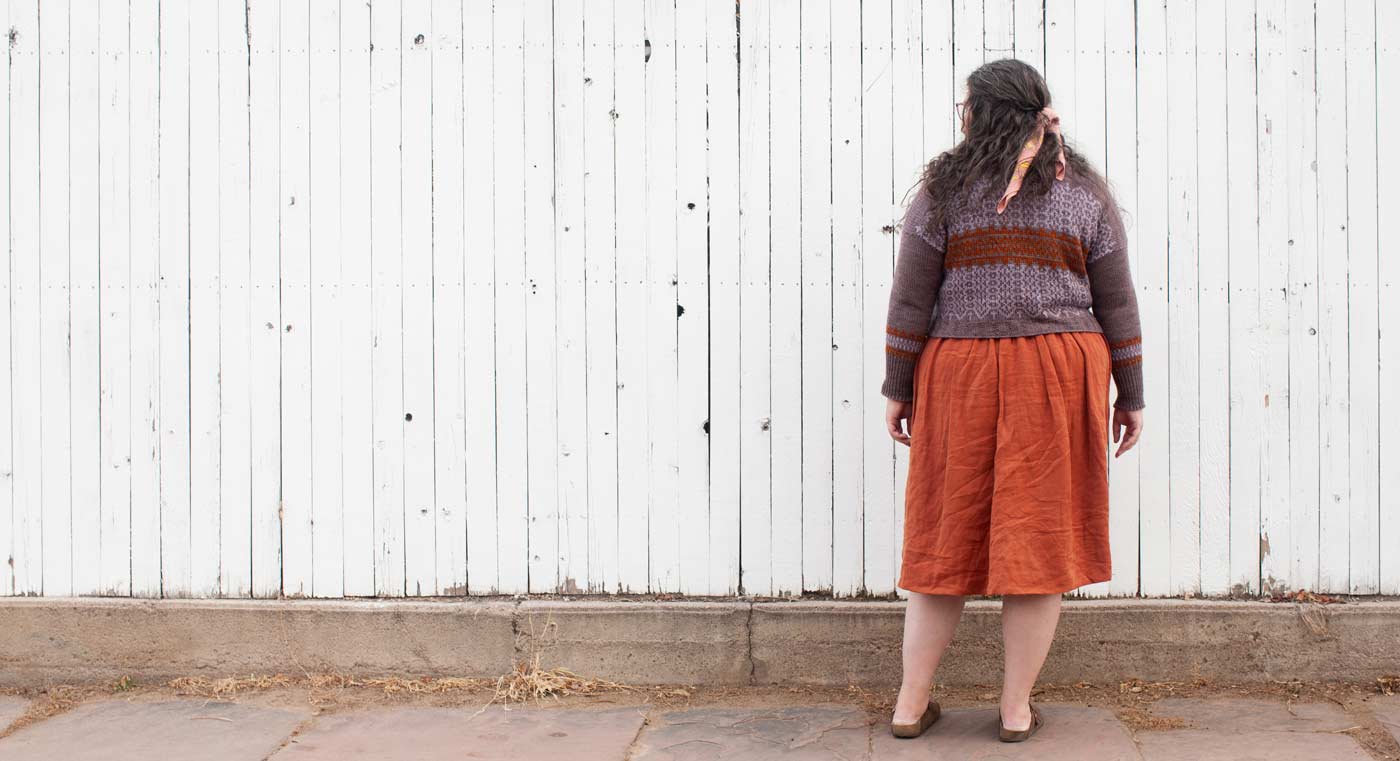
(917, 274)
(1115, 306)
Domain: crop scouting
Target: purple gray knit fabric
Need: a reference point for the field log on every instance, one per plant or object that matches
(1056, 263)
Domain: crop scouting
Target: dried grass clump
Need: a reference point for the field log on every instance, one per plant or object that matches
(530, 682)
(218, 688)
(422, 686)
(1388, 685)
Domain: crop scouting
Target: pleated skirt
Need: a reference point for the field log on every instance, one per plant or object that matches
(1008, 466)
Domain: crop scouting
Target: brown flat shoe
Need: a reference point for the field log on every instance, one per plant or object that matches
(914, 729)
(1020, 735)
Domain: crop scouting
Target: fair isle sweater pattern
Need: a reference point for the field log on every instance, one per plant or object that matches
(1056, 263)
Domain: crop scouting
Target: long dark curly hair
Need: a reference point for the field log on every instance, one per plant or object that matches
(1004, 100)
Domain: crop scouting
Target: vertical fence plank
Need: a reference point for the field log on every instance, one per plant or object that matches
(293, 83)
(326, 320)
(235, 321)
(176, 550)
(1334, 438)
(205, 239)
(55, 455)
(692, 310)
(1246, 426)
(785, 231)
(265, 317)
(449, 359)
(541, 397)
(7, 462)
(357, 301)
(723, 160)
(512, 382)
(1362, 146)
(599, 255)
(1274, 131)
(878, 216)
(85, 336)
(386, 253)
(145, 301)
(847, 333)
(416, 144)
(1213, 298)
(1388, 302)
(1121, 170)
(480, 313)
(1304, 399)
(571, 370)
(1152, 209)
(818, 443)
(1183, 317)
(25, 306)
(662, 537)
(755, 391)
(633, 380)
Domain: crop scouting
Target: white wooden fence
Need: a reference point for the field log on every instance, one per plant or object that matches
(345, 298)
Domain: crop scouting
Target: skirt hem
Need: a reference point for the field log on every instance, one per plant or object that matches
(985, 591)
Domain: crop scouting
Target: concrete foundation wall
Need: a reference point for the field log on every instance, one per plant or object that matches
(49, 641)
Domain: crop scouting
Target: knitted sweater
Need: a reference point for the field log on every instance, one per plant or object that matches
(1057, 263)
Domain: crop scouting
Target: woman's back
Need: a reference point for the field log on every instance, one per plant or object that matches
(1051, 263)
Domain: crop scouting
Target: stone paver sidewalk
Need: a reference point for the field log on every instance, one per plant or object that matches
(1207, 729)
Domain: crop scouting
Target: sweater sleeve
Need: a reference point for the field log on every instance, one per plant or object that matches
(918, 273)
(1115, 306)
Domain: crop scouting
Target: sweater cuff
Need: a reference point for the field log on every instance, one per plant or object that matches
(1126, 357)
(901, 355)
(1128, 378)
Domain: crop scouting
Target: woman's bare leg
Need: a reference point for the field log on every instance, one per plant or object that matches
(1027, 628)
(929, 623)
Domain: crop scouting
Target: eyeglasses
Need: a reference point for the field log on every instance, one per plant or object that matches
(961, 108)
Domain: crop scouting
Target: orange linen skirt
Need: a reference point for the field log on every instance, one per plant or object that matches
(1008, 468)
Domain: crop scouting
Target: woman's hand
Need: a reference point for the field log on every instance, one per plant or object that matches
(1131, 420)
(895, 415)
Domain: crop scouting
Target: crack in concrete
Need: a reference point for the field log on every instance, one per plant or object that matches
(748, 654)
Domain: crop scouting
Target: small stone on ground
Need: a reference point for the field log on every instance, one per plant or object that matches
(117, 730)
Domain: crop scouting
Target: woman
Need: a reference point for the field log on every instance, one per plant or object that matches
(1011, 305)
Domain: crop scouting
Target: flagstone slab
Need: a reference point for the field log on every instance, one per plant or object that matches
(188, 730)
(794, 733)
(1246, 715)
(496, 734)
(1198, 744)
